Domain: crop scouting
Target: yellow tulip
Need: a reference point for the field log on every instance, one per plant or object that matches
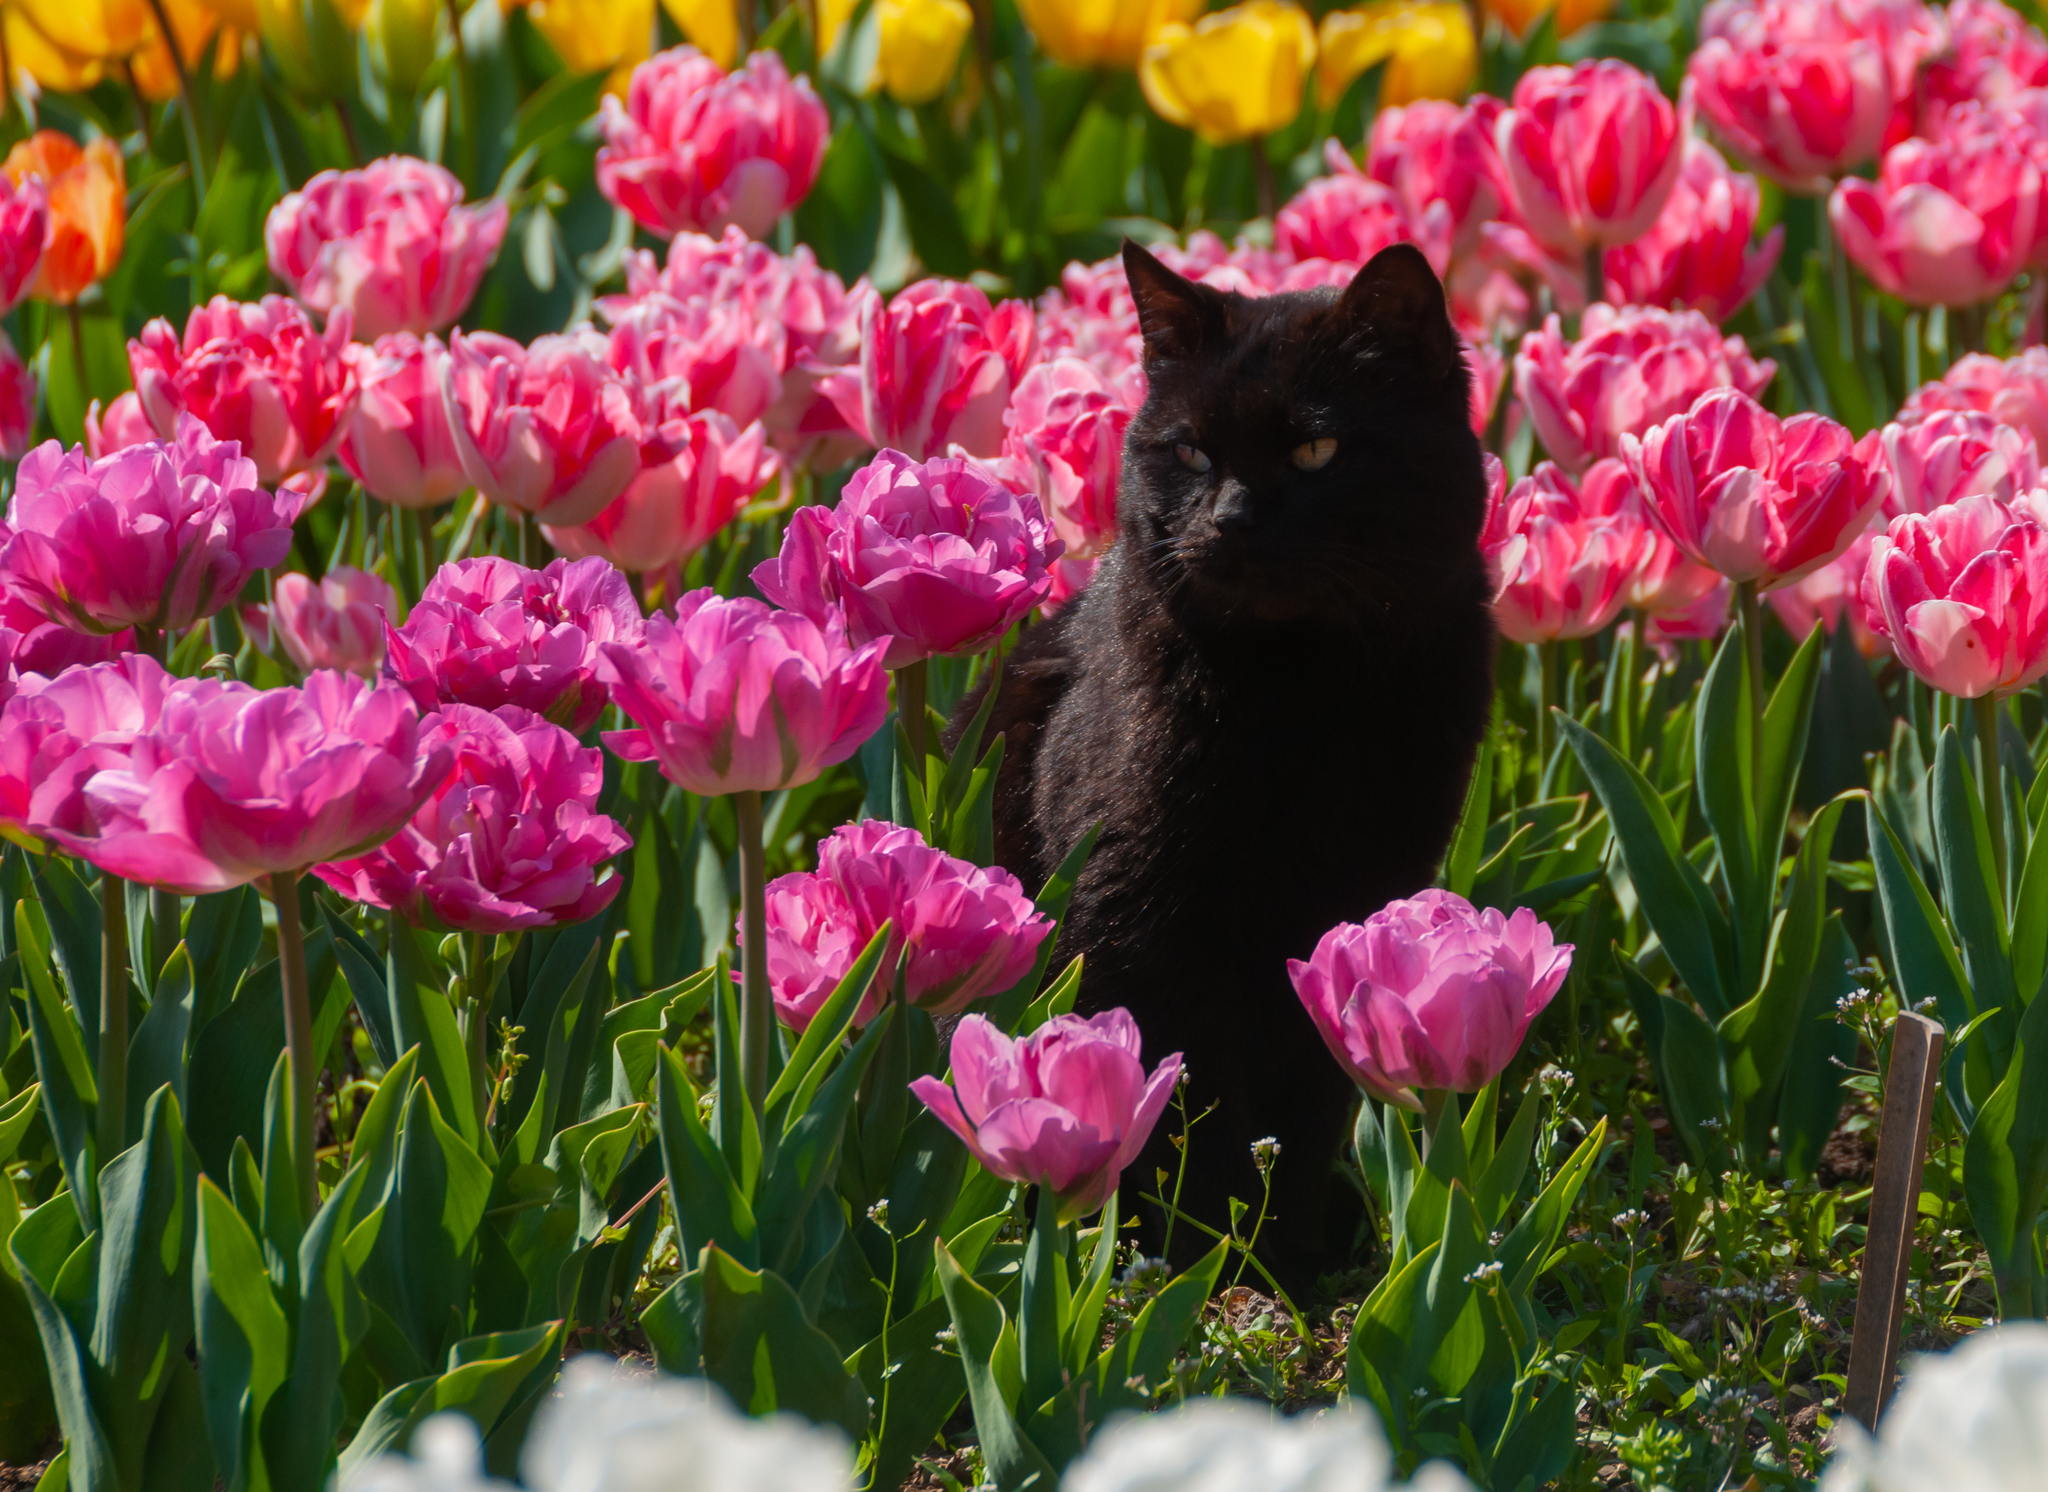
(52, 67)
(713, 27)
(101, 29)
(1519, 15)
(1429, 51)
(921, 41)
(1234, 74)
(594, 36)
(1101, 33)
(832, 18)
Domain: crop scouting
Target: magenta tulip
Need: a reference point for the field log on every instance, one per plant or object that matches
(1066, 428)
(488, 632)
(18, 400)
(1067, 1107)
(400, 445)
(255, 373)
(1631, 367)
(2014, 392)
(41, 646)
(337, 621)
(230, 783)
(700, 472)
(1347, 217)
(1433, 152)
(1430, 992)
(696, 147)
(157, 536)
(1961, 594)
(1591, 153)
(120, 425)
(1563, 555)
(1942, 457)
(937, 365)
(1948, 222)
(1756, 498)
(1699, 254)
(511, 839)
(55, 733)
(24, 230)
(935, 558)
(391, 243)
(959, 933)
(735, 696)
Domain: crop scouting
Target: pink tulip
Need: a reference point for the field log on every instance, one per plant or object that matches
(702, 470)
(337, 621)
(735, 696)
(1434, 152)
(1591, 153)
(1067, 430)
(1993, 56)
(1090, 315)
(1430, 992)
(400, 445)
(697, 355)
(936, 557)
(17, 402)
(1831, 595)
(47, 648)
(121, 425)
(1348, 217)
(696, 147)
(2014, 392)
(1562, 557)
(1943, 457)
(959, 932)
(1631, 367)
(392, 243)
(231, 783)
(549, 430)
(1698, 255)
(1948, 222)
(1801, 90)
(1671, 589)
(255, 373)
(1070, 577)
(24, 228)
(1756, 498)
(159, 535)
(1067, 1107)
(1489, 366)
(511, 838)
(1962, 595)
(55, 733)
(488, 632)
(936, 368)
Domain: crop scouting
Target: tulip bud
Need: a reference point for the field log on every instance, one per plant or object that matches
(920, 47)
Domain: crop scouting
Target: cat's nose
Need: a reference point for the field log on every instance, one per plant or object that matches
(1233, 511)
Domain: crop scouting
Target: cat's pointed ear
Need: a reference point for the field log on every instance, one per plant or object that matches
(1175, 314)
(1398, 298)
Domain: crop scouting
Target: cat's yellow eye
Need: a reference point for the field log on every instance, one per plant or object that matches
(1195, 460)
(1314, 455)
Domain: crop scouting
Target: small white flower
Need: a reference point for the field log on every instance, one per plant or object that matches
(1973, 1419)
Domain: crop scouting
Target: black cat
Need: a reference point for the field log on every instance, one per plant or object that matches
(1270, 697)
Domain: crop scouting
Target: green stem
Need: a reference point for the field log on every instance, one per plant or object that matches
(1038, 1319)
(1546, 655)
(911, 681)
(187, 109)
(757, 1023)
(301, 1061)
(77, 320)
(1991, 782)
(1596, 274)
(113, 1065)
(465, 87)
(1262, 173)
(423, 529)
(483, 948)
(1433, 1101)
(525, 539)
(1751, 605)
(166, 914)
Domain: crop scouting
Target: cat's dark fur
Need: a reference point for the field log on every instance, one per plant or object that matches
(1270, 696)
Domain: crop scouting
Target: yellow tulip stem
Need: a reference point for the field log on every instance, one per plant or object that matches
(348, 132)
(1262, 171)
(141, 108)
(465, 84)
(192, 145)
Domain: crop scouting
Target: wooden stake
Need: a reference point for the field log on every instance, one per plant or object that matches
(1894, 1205)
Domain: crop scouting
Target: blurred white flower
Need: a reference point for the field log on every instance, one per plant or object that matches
(447, 1457)
(1973, 1419)
(1233, 1445)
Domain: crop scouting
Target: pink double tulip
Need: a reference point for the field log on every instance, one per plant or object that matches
(1631, 367)
(1432, 152)
(337, 621)
(1943, 457)
(488, 632)
(1699, 255)
(2014, 392)
(700, 471)
(1347, 217)
(1430, 992)
(937, 366)
(391, 243)
(55, 733)
(1090, 315)
(158, 535)
(252, 372)
(511, 838)
(1993, 56)
(1070, 577)
(231, 783)
(958, 932)
(1961, 594)
(697, 355)
(929, 558)
(24, 228)
(1067, 1107)
(400, 445)
(1066, 428)
(548, 430)
(18, 399)
(735, 696)
(1563, 553)
(696, 147)
(1948, 222)
(1591, 153)
(41, 646)
(1758, 499)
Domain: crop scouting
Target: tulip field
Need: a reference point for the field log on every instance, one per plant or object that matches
(519, 514)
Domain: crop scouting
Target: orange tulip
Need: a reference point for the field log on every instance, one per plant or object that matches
(88, 192)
